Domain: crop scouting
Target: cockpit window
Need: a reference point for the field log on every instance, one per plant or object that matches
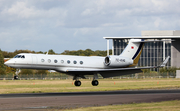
(16, 56)
(22, 56)
(19, 56)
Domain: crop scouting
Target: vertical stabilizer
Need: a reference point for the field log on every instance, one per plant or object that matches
(133, 50)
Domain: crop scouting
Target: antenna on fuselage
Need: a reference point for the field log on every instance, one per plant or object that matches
(47, 53)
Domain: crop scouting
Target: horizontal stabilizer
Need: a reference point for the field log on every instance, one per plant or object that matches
(165, 62)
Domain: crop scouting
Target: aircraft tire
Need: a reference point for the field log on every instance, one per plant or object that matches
(15, 77)
(95, 82)
(77, 83)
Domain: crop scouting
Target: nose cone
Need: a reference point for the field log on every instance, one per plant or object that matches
(8, 63)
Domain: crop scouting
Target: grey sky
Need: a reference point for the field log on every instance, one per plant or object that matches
(60, 25)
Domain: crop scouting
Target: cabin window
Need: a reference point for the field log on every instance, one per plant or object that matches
(42, 60)
(55, 61)
(49, 60)
(81, 62)
(62, 61)
(68, 62)
(75, 62)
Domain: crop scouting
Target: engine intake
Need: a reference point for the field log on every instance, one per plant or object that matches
(117, 61)
(107, 61)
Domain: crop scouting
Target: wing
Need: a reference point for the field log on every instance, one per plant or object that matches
(113, 71)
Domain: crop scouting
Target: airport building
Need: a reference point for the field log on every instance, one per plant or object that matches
(153, 52)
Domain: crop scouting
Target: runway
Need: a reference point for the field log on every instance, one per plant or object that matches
(42, 101)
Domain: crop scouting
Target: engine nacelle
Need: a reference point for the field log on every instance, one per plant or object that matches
(117, 61)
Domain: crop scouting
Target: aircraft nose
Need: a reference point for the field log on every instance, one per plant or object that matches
(8, 63)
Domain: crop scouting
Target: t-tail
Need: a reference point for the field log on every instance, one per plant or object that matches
(133, 50)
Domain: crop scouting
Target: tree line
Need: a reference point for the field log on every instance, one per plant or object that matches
(87, 52)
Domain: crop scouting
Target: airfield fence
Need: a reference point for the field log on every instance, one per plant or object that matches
(60, 76)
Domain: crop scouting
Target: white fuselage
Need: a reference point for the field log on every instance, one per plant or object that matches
(79, 64)
(62, 63)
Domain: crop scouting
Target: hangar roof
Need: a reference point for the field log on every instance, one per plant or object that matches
(144, 37)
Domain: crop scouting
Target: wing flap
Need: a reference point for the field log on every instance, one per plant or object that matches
(119, 73)
(108, 70)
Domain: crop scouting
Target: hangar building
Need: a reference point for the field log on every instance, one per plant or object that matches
(153, 52)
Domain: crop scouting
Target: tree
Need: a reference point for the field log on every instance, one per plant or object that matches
(40, 52)
(51, 51)
(41, 71)
(88, 52)
(10, 70)
(26, 71)
(2, 66)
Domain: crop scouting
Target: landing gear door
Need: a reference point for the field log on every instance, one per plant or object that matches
(34, 61)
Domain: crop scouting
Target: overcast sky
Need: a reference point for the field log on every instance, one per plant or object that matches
(60, 25)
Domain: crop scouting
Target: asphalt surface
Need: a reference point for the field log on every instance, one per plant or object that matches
(46, 101)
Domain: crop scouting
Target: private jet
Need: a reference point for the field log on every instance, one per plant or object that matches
(79, 66)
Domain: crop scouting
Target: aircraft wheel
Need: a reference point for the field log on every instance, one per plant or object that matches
(15, 77)
(77, 83)
(95, 82)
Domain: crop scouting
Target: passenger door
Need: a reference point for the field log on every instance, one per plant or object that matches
(34, 61)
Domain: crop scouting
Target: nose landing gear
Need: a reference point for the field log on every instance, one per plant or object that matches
(16, 76)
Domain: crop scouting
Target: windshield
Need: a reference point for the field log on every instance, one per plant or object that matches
(19, 56)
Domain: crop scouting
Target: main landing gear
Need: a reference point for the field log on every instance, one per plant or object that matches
(78, 83)
(94, 83)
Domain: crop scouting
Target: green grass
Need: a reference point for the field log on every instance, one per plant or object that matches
(156, 106)
(41, 86)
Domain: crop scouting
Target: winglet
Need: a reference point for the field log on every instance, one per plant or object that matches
(165, 62)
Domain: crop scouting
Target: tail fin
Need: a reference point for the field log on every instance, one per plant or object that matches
(133, 50)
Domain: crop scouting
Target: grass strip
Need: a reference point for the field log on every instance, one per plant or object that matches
(44, 86)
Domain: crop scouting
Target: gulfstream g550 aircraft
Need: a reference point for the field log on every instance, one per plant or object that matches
(79, 66)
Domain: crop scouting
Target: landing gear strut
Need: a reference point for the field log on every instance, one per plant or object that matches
(77, 83)
(95, 81)
(16, 76)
